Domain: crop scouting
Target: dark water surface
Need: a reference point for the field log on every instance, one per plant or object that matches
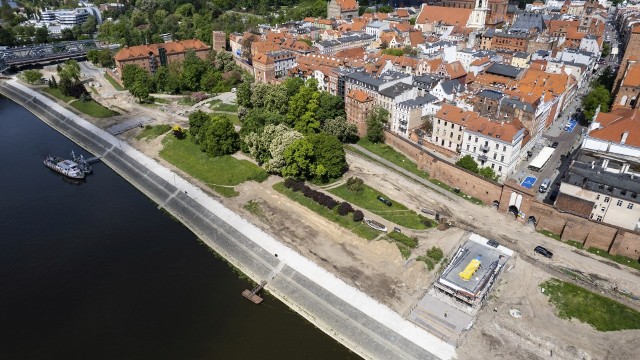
(96, 271)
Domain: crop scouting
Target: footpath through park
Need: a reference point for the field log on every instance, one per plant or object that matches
(364, 325)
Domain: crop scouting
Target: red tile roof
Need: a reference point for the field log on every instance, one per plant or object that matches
(445, 15)
(613, 125)
(174, 47)
(359, 96)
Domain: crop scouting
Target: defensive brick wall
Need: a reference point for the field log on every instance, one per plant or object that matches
(589, 233)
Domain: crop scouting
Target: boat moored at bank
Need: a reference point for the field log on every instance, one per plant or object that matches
(65, 167)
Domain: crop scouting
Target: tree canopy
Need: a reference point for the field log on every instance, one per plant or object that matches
(467, 162)
(375, 124)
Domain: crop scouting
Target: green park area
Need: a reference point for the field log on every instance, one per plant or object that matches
(90, 107)
(357, 227)
(151, 132)
(397, 213)
(113, 82)
(388, 153)
(220, 173)
(604, 314)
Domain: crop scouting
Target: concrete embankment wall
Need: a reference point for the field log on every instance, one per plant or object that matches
(366, 327)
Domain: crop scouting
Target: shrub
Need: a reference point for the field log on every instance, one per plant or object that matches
(307, 192)
(345, 208)
(288, 183)
(358, 216)
(355, 185)
(435, 253)
(198, 96)
(332, 203)
(296, 185)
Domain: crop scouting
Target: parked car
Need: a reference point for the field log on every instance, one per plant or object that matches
(384, 200)
(544, 186)
(554, 145)
(543, 251)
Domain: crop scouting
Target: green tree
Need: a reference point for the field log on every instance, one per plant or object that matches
(276, 100)
(42, 35)
(599, 96)
(220, 137)
(328, 154)
(70, 70)
(137, 81)
(375, 124)
(330, 107)
(32, 76)
(7, 36)
(197, 120)
(467, 162)
(606, 49)
(308, 123)
(292, 85)
(209, 80)
(298, 158)
(488, 173)
(391, 51)
(243, 94)
(298, 103)
(340, 128)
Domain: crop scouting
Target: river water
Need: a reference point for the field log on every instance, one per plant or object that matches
(94, 270)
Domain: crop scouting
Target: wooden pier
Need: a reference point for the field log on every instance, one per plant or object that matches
(252, 295)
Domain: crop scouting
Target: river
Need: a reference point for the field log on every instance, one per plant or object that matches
(94, 270)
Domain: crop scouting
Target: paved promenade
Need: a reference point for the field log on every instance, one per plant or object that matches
(367, 327)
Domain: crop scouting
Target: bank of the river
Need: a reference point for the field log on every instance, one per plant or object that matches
(94, 270)
(365, 326)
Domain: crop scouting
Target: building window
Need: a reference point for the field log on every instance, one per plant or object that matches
(493, 166)
(606, 199)
(467, 147)
(495, 156)
(595, 206)
(459, 137)
(469, 137)
(502, 158)
(476, 139)
(504, 148)
(619, 203)
(599, 218)
(474, 149)
(438, 121)
(499, 168)
(497, 146)
(453, 126)
(602, 209)
(598, 197)
(630, 206)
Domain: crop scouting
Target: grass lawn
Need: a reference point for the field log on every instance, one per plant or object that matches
(459, 193)
(113, 82)
(550, 234)
(388, 153)
(604, 314)
(158, 100)
(617, 258)
(92, 108)
(220, 173)
(397, 213)
(151, 132)
(233, 117)
(218, 105)
(359, 228)
(57, 94)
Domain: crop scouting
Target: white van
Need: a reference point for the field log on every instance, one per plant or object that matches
(544, 186)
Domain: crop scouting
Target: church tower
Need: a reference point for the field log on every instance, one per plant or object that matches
(479, 15)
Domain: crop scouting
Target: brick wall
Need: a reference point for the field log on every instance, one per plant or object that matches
(445, 171)
(569, 227)
(626, 244)
(243, 65)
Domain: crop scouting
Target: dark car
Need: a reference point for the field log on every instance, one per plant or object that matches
(384, 200)
(554, 145)
(543, 251)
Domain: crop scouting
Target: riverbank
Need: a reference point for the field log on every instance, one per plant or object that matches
(365, 326)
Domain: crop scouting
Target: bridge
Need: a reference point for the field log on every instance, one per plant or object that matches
(44, 53)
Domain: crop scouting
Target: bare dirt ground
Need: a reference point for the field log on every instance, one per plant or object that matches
(539, 333)
(377, 268)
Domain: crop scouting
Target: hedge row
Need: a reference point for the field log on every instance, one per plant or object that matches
(323, 199)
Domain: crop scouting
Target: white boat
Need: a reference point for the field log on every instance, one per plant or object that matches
(375, 225)
(65, 167)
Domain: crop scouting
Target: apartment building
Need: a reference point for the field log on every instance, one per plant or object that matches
(150, 57)
(413, 113)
